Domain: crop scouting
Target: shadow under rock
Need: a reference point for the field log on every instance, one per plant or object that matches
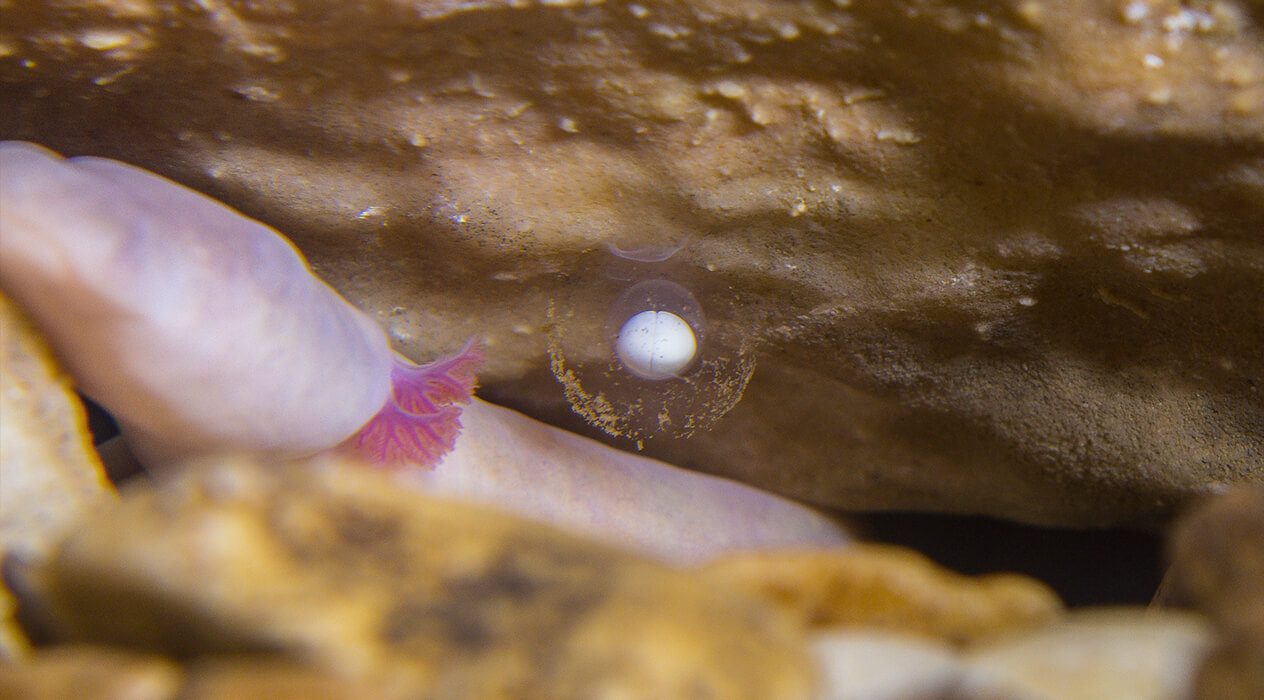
(1085, 567)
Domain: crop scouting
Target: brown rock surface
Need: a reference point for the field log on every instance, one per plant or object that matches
(334, 565)
(49, 473)
(1217, 553)
(889, 588)
(998, 258)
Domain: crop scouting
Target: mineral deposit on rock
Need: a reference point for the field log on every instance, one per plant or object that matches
(997, 258)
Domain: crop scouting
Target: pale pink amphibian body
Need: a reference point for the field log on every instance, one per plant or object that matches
(202, 330)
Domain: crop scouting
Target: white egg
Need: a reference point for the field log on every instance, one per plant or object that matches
(656, 345)
(655, 331)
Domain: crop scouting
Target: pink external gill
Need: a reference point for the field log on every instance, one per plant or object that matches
(421, 420)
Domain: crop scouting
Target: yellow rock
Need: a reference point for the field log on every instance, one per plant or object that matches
(230, 678)
(891, 588)
(332, 564)
(1121, 654)
(49, 473)
(82, 672)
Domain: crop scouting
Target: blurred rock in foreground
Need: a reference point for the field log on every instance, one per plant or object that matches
(1218, 566)
(889, 588)
(334, 566)
(1122, 654)
(49, 474)
(233, 578)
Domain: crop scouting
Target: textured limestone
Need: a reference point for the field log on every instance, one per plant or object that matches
(889, 588)
(49, 473)
(1217, 553)
(1000, 258)
(333, 565)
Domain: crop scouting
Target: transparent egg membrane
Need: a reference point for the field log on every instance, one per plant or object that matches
(581, 344)
(646, 246)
